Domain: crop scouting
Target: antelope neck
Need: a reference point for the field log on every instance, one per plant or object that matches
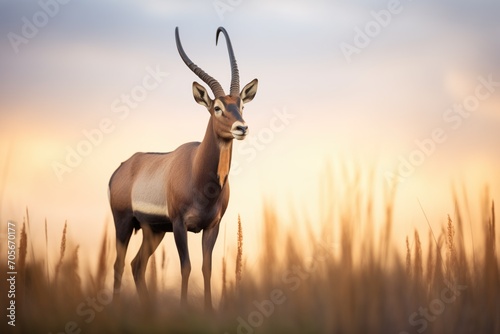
(213, 159)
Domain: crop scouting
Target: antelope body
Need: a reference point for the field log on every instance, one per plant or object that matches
(184, 190)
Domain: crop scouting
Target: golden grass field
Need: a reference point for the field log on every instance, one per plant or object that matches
(333, 280)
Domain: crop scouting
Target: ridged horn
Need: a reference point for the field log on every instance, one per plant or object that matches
(211, 82)
(235, 76)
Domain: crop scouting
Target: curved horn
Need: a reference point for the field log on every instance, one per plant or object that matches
(211, 82)
(235, 76)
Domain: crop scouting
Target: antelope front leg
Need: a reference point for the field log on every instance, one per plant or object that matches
(180, 236)
(208, 241)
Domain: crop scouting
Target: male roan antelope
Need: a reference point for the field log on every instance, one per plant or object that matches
(184, 190)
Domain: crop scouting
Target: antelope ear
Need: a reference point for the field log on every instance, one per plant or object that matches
(201, 96)
(248, 92)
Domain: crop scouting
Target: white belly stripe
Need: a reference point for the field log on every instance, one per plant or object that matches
(149, 208)
(149, 196)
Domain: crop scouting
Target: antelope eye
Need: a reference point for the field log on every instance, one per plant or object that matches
(218, 110)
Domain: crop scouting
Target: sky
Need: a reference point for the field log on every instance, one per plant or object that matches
(406, 90)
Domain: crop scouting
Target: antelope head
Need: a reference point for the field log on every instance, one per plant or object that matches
(226, 110)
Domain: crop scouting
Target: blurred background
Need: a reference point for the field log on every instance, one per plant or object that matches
(403, 93)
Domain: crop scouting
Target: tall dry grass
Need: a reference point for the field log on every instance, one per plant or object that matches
(337, 278)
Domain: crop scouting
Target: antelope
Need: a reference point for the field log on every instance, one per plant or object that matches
(183, 190)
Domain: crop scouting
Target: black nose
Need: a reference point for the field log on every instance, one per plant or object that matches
(242, 128)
